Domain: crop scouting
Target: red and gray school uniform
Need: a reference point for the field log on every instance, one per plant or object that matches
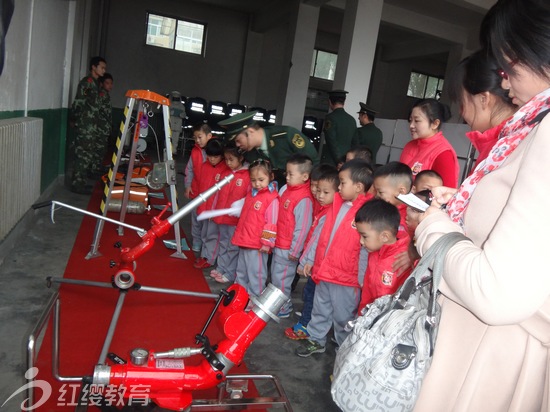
(293, 224)
(380, 277)
(228, 252)
(192, 173)
(257, 227)
(335, 270)
(210, 235)
(309, 288)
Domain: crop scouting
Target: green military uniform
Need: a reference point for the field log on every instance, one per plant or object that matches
(369, 136)
(339, 128)
(86, 115)
(279, 143)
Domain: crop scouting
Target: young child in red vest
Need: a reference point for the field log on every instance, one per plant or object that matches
(212, 171)
(202, 134)
(327, 187)
(236, 189)
(257, 228)
(294, 221)
(378, 225)
(336, 265)
(390, 180)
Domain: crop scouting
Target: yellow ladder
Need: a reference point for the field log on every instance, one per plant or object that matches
(140, 97)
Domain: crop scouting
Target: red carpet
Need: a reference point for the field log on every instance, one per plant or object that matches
(148, 320)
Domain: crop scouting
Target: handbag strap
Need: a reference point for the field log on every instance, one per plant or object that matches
(440, 249)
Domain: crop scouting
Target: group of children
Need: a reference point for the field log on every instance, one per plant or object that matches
(343, 229)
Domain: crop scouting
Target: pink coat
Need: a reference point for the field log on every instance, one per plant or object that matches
(493, 349)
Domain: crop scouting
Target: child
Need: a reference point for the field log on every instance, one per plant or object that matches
(202, 134)
(257, 228)
(326, 189)
(212, 171)
(426, 180)
(359, 152)
(294, 221)
(235, 190)
(335, 268)
(377, 222)
(393, 179)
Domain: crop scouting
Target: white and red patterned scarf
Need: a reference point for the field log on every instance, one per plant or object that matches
(511, 135)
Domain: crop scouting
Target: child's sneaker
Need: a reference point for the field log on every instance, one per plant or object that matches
(221, 279)
(297, 332)
(285, 312)
(202, 263)
(215, 274)
(308, 348)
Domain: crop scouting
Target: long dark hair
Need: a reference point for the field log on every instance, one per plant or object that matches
(476, 74)
(519, 30)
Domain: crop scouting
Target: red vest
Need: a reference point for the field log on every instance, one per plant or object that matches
(319, 212)
(210, 175)
(380, 278)
(339, 264)
(286, 221)
(420, 154)
(252, 220)
(234, 190)
(197, 157)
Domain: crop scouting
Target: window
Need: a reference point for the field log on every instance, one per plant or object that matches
(323, 65)
(170, 33)
(423, 86)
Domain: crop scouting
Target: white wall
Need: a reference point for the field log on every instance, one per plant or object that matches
(36, 82)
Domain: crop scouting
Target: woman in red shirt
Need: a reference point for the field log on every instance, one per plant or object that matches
(428, 148)
(484, 104)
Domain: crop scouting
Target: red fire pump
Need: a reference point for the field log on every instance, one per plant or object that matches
(169, 380)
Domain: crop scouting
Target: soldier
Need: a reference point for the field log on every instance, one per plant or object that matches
(106, 116)
(368, 134)
(339, 128)
(275, 143)
(86, 116)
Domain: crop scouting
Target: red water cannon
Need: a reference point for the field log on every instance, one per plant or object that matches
(168, 380)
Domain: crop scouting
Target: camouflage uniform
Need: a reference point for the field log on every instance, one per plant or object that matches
(105, 124)
(86, 115)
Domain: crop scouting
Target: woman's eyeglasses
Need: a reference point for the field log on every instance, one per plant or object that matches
(504, 74)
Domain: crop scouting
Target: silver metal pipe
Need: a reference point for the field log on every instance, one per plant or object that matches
(111, 331)
(33, 337)
(55, 349)
(178, 292)
(201, 198)
(139, 230)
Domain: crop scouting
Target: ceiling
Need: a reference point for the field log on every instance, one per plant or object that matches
(466, 14)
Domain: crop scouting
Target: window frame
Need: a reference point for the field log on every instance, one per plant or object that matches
(316, 55)
(202, 53)
(428, 76)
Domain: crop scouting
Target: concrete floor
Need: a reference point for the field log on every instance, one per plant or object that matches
(37, 249)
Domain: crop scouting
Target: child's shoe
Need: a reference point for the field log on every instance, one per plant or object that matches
(297, 332)
(285, 312)
(308, 348)
(221, 279)
(215, 274)
(202, 263)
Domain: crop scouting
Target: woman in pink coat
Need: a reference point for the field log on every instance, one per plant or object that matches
(493, 348)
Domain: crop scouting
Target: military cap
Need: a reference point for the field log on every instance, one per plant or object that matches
(338, 94)
(236, 124)
(366, 110)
